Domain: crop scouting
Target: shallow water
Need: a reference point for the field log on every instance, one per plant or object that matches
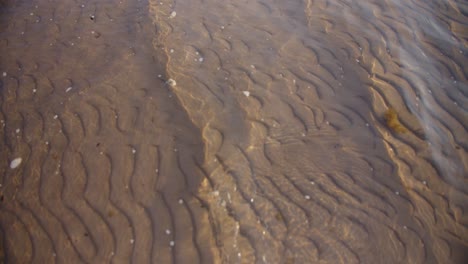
(273, 144)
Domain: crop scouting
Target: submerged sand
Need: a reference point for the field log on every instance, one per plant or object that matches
(291, 132)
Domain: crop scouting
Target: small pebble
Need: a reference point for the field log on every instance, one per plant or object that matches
(181, 201)
(168, 232)
(173, 14)
(4, 74)
(68, 89)
(171, 82)
(55, 116)
(15, 163)
(246, 93)
(18, 130)
(200, 59)
(133, 151)
(172, 243)
(132, 241)
(307, 197)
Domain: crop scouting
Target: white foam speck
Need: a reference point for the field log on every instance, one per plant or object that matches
(15, 163)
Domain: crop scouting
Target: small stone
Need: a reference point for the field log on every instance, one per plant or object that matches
(200, 59)
(18, 130)
(4, 74)
(68, 89)
(172, 243)
(251, 200)
(15, 163)
(133, 151)
(171, 82)
(132, 241)
(312, 182)
(171, 51)
(181, 201)
(246, 93)
(168, 232)
(55, 116)
(173, 14)
(307, 197)
(397, 193)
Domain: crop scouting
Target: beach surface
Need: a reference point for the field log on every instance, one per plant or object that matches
(252, 131)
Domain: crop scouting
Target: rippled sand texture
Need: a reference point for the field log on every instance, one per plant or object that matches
(110, 164)
(272, 147)
(290, 97)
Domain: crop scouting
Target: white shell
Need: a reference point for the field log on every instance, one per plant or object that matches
(15, 163)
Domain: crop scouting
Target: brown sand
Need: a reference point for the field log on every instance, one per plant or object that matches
(272, 147)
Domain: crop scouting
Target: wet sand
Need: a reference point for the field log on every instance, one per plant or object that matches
(294, 132)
